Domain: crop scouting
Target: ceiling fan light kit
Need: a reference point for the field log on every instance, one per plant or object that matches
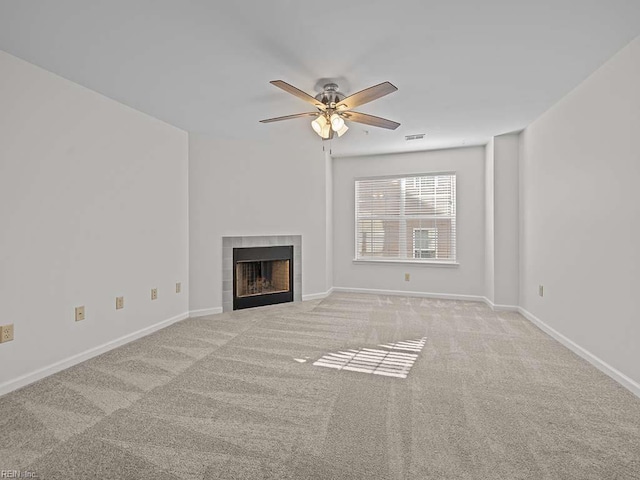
(333, 108)
(336, 122)
(326, 131)
(318, 123)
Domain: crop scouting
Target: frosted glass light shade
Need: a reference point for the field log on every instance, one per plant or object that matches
(326, 131)
(319, 123)
(336, 122)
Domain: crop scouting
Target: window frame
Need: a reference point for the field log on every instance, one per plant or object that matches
(450, 262)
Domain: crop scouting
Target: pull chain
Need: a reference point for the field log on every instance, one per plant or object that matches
(330, 146)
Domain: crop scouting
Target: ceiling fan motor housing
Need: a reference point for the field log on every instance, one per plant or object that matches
(330, 95)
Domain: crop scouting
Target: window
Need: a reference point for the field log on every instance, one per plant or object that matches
(410, 218)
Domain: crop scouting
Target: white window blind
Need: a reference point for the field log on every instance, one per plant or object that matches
(406, 218)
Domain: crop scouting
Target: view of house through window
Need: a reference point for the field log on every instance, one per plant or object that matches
(424, 243)
(406, 218)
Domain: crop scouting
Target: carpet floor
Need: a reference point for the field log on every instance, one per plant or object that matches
(348, 387)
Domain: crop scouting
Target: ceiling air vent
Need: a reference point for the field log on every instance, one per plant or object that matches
(417, 136)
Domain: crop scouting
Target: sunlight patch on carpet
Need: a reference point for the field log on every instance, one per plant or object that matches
(390, 360)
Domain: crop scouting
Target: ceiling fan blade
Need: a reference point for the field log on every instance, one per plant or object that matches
(299, 93)
(370, 120)
(289, 117)
(367, 95)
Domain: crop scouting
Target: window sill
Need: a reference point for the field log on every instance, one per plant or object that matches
(428, 263)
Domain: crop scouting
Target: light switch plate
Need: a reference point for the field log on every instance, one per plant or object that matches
(79, 313)
(119, 303)
(154, 294)
(178, 287)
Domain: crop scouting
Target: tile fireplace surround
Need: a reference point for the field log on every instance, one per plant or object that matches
(229, 243)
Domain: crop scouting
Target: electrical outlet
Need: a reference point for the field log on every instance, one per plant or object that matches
(541, 290)
(119, 303)
(79, 313)
(154, 294)
(178, 287)
(6, 333)
(407, 277)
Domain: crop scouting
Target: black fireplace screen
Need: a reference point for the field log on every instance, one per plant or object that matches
(262, 276)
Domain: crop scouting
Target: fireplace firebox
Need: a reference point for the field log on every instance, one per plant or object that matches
(262, 276)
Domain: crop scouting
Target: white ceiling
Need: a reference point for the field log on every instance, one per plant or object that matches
(466, 70)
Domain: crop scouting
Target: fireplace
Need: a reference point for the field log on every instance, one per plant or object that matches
(262, 276)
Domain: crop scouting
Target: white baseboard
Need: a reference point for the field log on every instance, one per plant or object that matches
(443, 296)
(501, 308)
(604, 367)
(203, 312)
(317, 296)
(25, 380)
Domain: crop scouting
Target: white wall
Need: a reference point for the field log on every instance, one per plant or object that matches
(466, 279)
(505, 218)
(489, 224)
(93, 204)
(329, 219)
(580, 214)
(242, 187)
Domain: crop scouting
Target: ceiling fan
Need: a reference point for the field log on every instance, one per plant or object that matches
(333, 108)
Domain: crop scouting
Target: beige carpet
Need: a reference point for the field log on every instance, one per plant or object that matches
(237, 396)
